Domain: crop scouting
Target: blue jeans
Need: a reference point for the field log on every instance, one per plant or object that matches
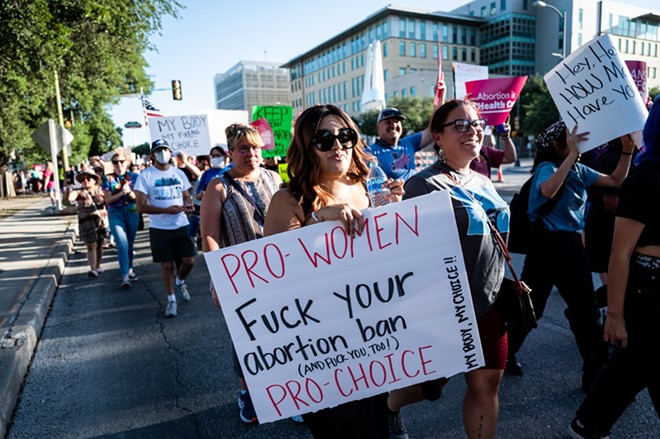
(123, 226)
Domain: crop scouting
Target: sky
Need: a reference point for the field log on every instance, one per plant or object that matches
(210, 37)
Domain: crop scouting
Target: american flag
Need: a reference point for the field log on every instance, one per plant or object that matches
(150, 111)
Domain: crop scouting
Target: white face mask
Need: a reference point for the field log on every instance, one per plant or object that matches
(163, 156)
(218, 162)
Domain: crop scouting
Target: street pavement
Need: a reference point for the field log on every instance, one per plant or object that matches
(109, 365)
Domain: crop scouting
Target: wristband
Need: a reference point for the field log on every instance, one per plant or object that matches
(315, 218)
(626, 153)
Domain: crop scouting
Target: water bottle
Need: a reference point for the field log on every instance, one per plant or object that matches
(378, 195)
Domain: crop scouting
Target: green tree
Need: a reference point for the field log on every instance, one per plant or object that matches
(538, 110)
(97, 48)
(418, 112)
(653, 92)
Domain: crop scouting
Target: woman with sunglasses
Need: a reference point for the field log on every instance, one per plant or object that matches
(91, 218)
(327, 171)
(122, 213)
(458, 133)
(233, 211)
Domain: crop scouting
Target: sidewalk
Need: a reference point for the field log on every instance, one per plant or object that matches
(34, 248)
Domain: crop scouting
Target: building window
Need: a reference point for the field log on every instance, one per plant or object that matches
(386, 74)
(445, 52)
(473, 55)
(493, 8)
(483, 12)
(525, 4)
(386, 29)
(402, 71)
(463, 54)
(402, 48)
(396, 93)
(580, 18)
(422, 30)
(404, 92)
(463, 35)
(411, 28)
(413, 49)
(422, 50)
(454, 34)
(473, 37)
(502, 5)
(445, 33)
(412, 91)
(436, 33)
(454, 53)
(385, 51)
(402, 27)
(435, 51)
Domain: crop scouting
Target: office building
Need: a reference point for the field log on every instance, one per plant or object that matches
(250, 83)
(511, 37)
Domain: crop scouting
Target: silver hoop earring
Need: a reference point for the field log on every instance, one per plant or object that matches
(441, 155)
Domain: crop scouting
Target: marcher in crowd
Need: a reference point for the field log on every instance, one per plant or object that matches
(49, 183)
(396, 155)
(492, 158)
(557, 256)
(163, 192)
(234, 210)
(633, 296)
(326, 165)
(219, 161)
(91, 218)
(458, 136)
(122, 213)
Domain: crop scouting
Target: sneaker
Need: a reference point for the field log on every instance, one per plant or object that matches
(99, 270)
(125, 284)
(170, 311)
(578, 431)
(397, 429)
(132, 276)
(513, 366)
(297, 419)
(92, 273)
(246, 409)
(183, 291)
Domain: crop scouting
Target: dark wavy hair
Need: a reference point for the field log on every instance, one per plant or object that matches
(304, 167)
(550, 153)
(442, 114)
(651, 134)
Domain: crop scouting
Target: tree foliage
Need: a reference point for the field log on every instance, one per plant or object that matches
(418, 112)
(96, 46)
(538, 110)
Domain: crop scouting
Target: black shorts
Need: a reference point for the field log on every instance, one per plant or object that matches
(170, 245)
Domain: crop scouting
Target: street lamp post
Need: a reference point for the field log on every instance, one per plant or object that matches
(562, 16)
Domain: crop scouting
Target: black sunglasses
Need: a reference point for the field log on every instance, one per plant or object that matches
(324, 140)
(463, 125)
(116, 162)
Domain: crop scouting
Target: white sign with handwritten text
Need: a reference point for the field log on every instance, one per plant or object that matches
(319, 318)
(593, 88)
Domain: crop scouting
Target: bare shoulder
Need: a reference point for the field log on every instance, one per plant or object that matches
(284, 213)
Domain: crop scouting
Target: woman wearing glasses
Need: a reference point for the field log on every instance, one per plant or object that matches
(458, 133)
(122, 213)
(326, 165)
(91, 218)
(234, 210)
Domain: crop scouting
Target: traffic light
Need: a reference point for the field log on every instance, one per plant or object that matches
(176, 90)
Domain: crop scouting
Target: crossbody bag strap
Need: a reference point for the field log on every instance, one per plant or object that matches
(247, 196)
(496, 233)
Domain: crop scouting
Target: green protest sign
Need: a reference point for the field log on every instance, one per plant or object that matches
(280, 119)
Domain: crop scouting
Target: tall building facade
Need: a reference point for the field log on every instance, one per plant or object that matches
(511, 37)
(412, 41)
(251, 83)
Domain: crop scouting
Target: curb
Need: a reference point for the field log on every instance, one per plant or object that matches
(17, 349)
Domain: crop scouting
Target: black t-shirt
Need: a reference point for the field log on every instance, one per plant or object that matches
(639, 200)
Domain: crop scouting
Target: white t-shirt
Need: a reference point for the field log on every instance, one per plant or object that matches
(164, 189)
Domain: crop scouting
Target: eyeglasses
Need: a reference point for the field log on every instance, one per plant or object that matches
(246, 149)
(463, 125)
(324, 140)
(117, 162)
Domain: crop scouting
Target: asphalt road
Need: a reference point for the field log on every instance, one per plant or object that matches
(108, 365)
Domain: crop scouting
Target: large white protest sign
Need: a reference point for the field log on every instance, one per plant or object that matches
(464, 73)
(593, 88)
(221, 119)
(189, 134)
(319, 318)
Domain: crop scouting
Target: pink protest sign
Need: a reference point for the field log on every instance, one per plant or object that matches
(495, 97)
(638, 73)
(266, 132)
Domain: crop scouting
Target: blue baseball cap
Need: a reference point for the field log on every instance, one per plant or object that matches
(159, 144)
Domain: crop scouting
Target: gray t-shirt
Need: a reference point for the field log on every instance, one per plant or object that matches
(483, 258)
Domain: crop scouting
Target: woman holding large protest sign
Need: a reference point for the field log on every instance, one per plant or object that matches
(633, 297)
(234, 210)
(458, 133)
(557, 255)
(326, 165)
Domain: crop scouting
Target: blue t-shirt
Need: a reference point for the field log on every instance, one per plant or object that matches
(397, 161)
(209, 175)
(569, 212)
